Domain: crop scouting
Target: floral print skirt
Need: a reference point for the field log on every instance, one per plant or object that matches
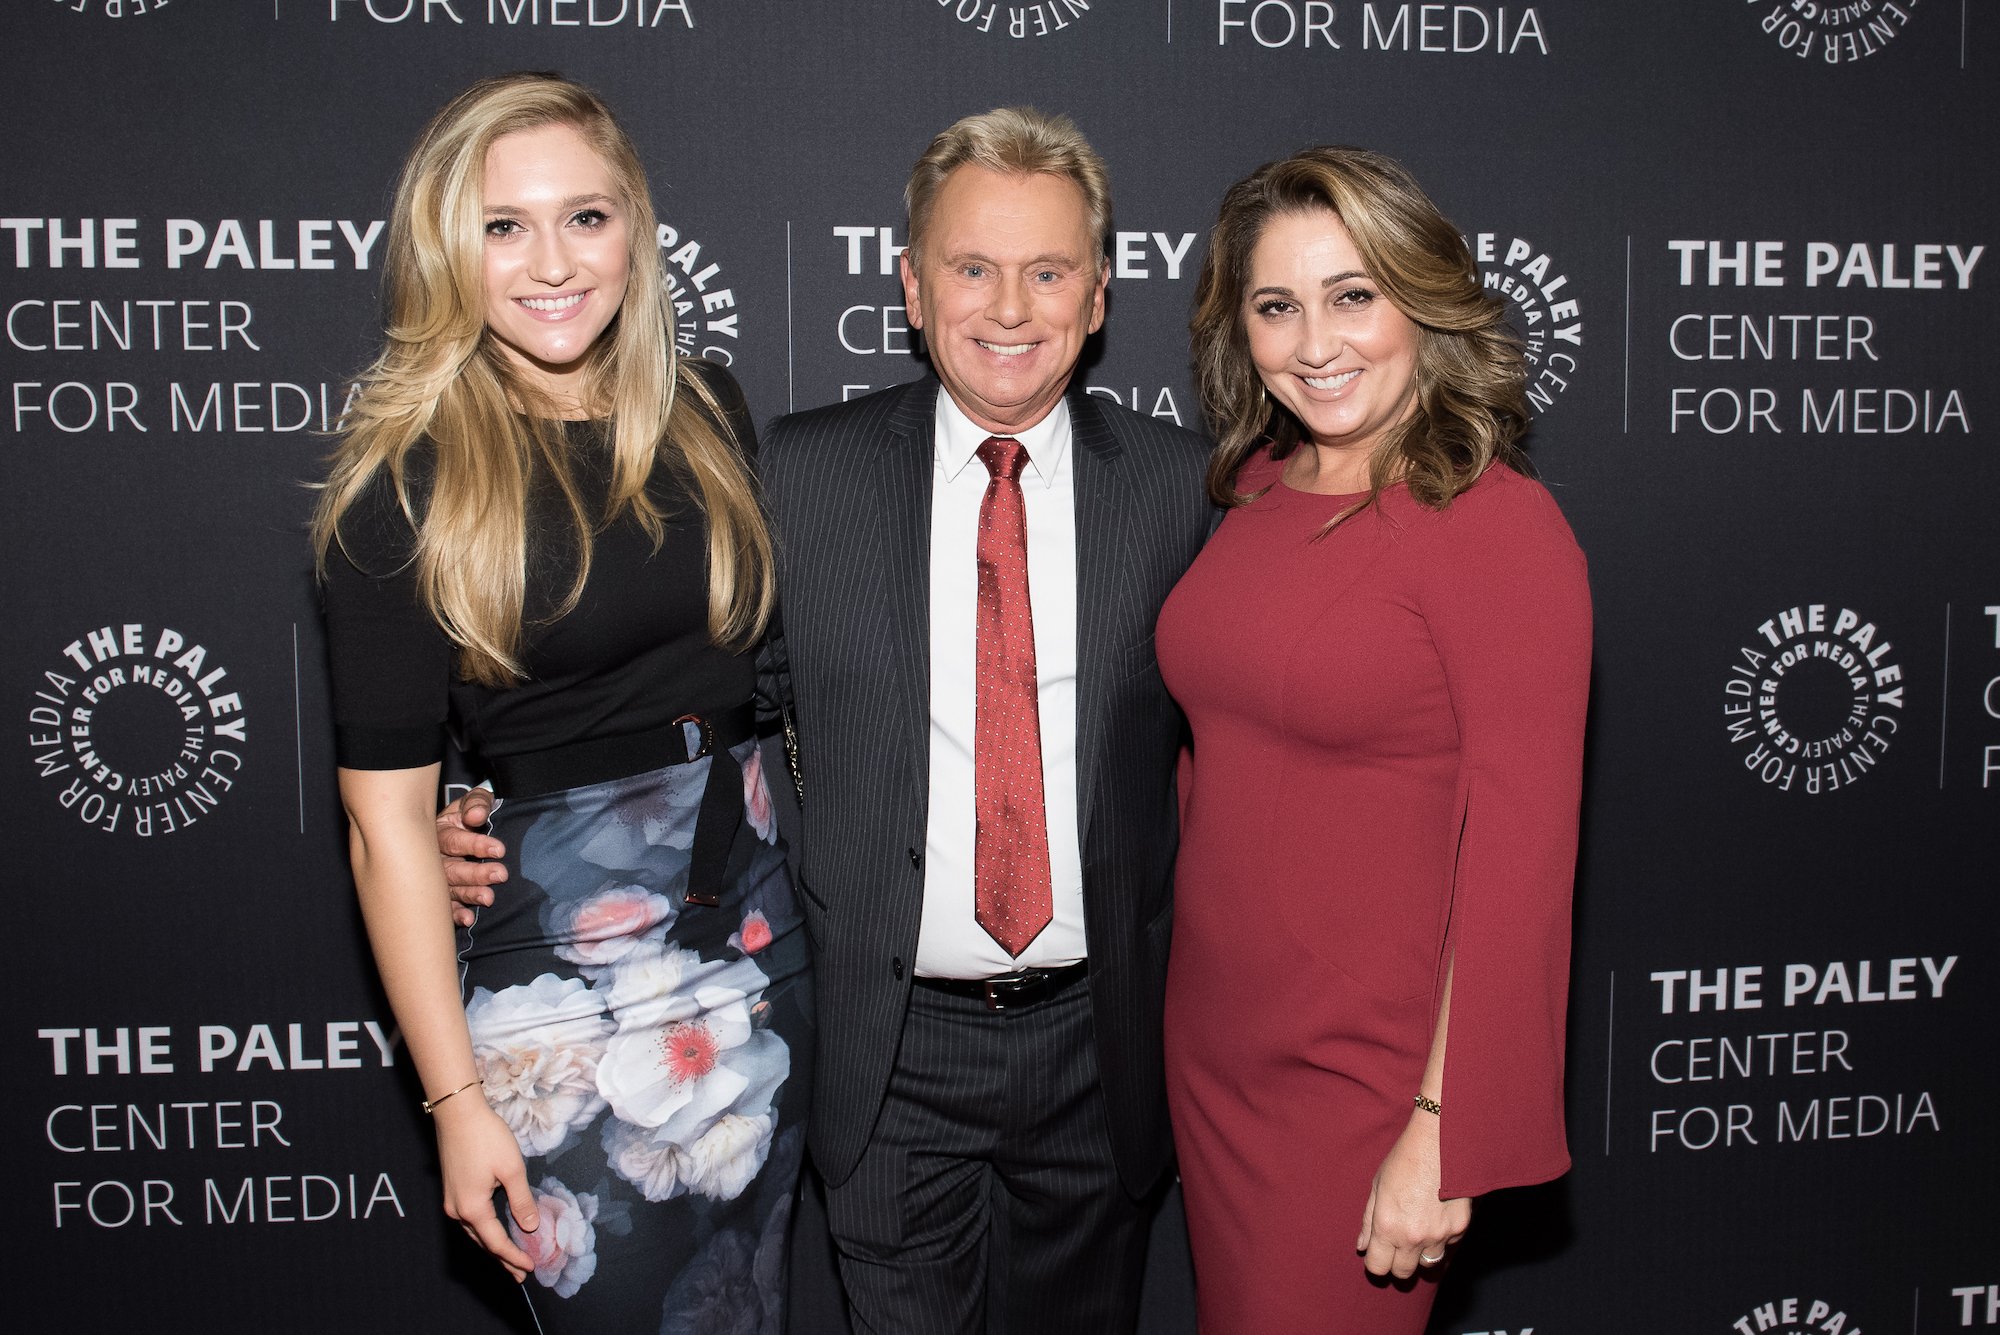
(653, 1057)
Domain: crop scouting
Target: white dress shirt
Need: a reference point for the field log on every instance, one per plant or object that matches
(951, 943)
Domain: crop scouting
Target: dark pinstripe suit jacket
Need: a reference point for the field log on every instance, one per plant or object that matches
(849, 489)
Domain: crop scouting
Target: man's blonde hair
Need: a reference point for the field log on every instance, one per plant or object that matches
(1017, 141)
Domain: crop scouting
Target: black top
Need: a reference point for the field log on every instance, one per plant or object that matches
(628, 659)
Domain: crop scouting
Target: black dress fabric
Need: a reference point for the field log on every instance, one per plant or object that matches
(651, 1048)
(630, 657)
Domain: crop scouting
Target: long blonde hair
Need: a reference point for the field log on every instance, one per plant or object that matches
(1471, 406)
(442, 378)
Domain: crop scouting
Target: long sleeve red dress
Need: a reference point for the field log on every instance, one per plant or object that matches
(1388, 742)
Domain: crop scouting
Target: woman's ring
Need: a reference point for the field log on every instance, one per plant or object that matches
(1430, 1260)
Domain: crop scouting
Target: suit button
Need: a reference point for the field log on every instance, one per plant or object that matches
(916, 862)
(896, 967)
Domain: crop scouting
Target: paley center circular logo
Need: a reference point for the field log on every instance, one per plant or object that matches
(1814, 698)
(1796, 1316)
(1544, 309)
(114, 9)
(1018, 21)
(1833, 32)
(136, 728)
(705, 311)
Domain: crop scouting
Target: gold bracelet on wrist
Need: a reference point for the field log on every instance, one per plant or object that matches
(430, 1105)
(1431, 1106)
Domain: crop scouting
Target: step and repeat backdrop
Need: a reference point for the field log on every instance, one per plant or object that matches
(1749, 244)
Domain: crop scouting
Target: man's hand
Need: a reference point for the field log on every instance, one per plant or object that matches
(458, 842)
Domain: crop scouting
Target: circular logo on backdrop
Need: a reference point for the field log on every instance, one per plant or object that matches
(1796, 1316)
(1543, 307)
(136, 729)
(1814, 699)
(114, 9)
(705, 314)
(1014, 20)
(1830, 32)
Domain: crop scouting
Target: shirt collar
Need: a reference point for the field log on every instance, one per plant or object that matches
(959, 439)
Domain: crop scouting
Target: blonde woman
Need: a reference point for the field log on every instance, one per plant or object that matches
(540, 532)
(1384, 655)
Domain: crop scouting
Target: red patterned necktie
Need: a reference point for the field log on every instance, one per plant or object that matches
(1010, 861)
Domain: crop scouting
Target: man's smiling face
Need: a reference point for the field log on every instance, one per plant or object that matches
(1007, 284)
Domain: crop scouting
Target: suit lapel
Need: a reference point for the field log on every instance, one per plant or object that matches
(901, 472)
(1102, 569)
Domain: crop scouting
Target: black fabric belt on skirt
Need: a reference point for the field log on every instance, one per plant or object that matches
(682, 742)
(1023, 987)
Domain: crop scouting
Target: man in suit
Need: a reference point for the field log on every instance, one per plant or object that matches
(969, 581)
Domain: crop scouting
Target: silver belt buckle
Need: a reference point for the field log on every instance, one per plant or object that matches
(1021, 979)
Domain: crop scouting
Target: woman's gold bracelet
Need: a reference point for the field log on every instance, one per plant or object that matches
(430, 1105)
(1431, 1106)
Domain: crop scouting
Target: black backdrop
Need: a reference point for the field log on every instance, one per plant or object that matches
(1748, 245)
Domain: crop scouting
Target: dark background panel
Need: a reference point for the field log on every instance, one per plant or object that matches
(1596, 134)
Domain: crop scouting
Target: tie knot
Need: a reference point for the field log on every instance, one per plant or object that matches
(1004, 457)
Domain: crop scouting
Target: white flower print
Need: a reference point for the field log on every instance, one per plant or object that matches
(720, 1164)
(537, 1047)
(688, 1075)
(729, 1155)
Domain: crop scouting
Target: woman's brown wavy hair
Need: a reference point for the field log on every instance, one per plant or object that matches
(1471, 406)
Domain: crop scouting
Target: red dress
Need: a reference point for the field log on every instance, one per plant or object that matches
(1388, 746)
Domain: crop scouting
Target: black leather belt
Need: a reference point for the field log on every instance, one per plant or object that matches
(682, 742)
(1009, 991)
(580, 764)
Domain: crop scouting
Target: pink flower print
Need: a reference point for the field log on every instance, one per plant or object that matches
(688, 1050)
(757, 799)
(610, 925)
(563, 1246)
(754, 935)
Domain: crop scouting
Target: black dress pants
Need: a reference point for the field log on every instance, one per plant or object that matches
(980, 1098)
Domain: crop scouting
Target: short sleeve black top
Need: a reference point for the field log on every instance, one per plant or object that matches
(629, 658)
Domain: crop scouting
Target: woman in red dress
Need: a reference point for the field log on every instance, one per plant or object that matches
(1384, 654)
